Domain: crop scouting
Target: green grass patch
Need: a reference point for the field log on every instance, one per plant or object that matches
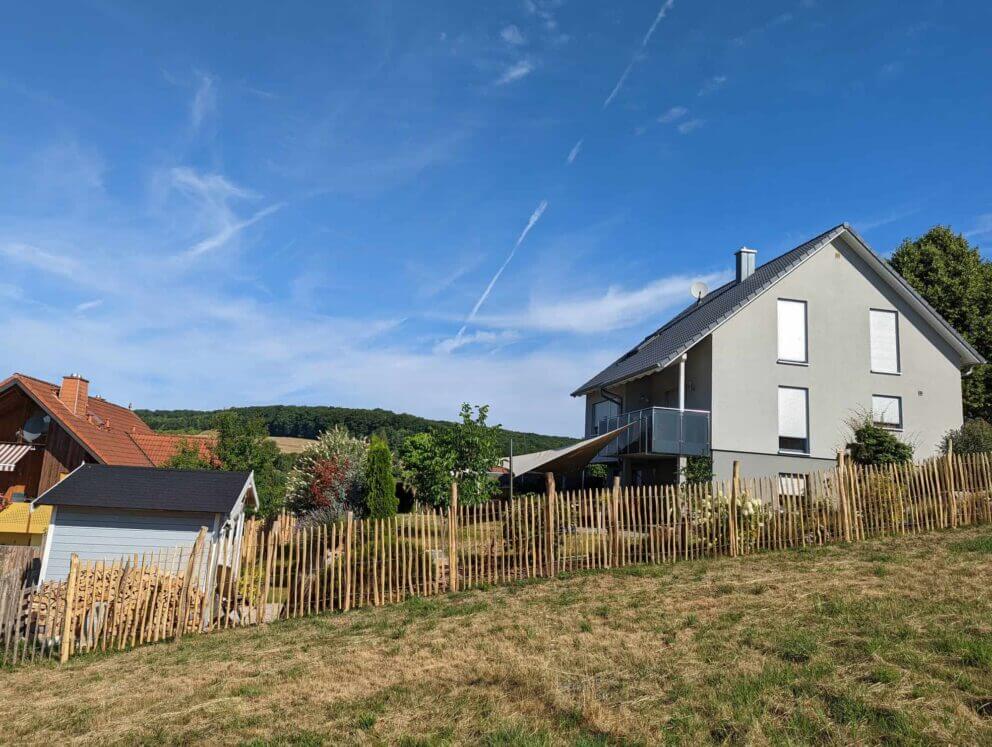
(976, 544)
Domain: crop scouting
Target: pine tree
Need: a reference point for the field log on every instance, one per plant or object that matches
(380, 485)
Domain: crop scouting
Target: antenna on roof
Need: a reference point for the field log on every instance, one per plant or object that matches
(698, 290)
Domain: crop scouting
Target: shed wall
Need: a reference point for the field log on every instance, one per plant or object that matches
(106, 534)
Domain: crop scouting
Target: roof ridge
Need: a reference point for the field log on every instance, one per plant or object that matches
(18, 374)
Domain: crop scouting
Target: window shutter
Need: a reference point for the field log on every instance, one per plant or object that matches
(792, 419)
(792, 331)
(884, 341)
(886, 410)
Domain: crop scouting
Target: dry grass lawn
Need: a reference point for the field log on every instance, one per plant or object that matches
(885, 642)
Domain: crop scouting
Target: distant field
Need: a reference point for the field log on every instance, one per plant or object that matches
(286, 444)
(290, 445)
(889, 642)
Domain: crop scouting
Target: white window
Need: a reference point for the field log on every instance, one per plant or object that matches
(601, 412)
(793, 484)
(793, 420)
(884, 341)
(886, 411)
(792, 331)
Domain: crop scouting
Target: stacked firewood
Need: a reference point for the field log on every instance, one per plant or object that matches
(154, 595)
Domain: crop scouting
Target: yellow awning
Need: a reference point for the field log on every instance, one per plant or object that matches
(18, 518)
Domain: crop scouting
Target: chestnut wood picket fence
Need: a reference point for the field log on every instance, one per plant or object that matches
(289, 569)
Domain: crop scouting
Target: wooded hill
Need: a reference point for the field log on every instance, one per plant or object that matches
(309, 422)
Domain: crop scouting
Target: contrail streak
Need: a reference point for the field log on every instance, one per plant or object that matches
(619, 85)
(666, 6)
(534, 218)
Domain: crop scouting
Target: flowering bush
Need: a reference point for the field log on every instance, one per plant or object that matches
(328, 474)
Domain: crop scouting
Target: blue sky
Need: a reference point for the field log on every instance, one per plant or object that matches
(408, 205)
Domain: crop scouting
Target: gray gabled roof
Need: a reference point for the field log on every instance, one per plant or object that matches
(149, 489)
(663, 346)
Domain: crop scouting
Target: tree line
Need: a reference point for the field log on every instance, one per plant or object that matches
(342, 472)
(310, 421)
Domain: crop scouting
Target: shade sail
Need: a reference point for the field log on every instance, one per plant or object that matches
(11, 454)
(569, 459)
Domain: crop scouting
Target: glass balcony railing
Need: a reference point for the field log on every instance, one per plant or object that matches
(658, 430)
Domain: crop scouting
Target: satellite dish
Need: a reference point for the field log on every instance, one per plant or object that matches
(698, 290)
(36, 426)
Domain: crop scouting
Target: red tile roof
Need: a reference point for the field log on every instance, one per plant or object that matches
(111, 433)
(159, 448)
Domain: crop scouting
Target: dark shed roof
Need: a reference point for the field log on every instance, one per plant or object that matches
(148, 488)
(692, 324)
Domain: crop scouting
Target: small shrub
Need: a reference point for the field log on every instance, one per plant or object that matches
(698, 469)
(873, 444)
(974, 437)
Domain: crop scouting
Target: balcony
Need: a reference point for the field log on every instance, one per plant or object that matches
(659, 430)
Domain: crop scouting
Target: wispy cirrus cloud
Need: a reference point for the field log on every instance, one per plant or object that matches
(617, 308)
(512, 35)
(712, 85)
(543, 9)
(204, 101)
(82, 308)
(481, 337)
(229, 231)
(891, 70)
(690, 125)
(212, 196)
(430, 281)
(516, 71)
(41, 259)
(673, 114)
(982, 227)
(885, 219)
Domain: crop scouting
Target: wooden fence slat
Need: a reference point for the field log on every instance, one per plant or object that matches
(303, 569)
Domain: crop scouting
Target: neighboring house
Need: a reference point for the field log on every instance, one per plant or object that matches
(48, 430)
(102, 512)
(769, 368)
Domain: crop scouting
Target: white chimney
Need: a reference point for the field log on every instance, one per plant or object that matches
(745, 263)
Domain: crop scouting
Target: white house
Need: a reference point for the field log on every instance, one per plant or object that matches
(769, 368)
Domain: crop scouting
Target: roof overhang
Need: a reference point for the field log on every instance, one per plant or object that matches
(569, 459)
